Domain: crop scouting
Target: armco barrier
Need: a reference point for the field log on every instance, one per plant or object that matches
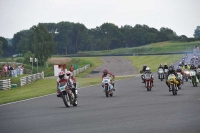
(31, 78)
(77, 71)
(5, 84)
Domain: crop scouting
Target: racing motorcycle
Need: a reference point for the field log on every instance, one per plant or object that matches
(148, 81)
(67, 95)
(198, 73)
(106, 81)
(166, 73)
(193, 78)
(180, 79)
(186, 75)
(172, 83)
(160, 74)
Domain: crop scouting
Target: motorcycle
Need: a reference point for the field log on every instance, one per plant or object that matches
(193, 78)
(186, 75)
(173, 84)
(67, 95)
(160, 74)
(166, 73)
(180, 79)
(198, 73)
(105, 83)
(148, 81)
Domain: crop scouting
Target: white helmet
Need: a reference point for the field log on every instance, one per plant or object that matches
(147, 69)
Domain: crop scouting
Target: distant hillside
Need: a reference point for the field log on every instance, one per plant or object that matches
(161, 47)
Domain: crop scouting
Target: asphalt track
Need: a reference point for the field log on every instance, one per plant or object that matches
(132, 109)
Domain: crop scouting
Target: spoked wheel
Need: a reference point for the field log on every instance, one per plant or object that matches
(75, 100)
(66, 100)
(106, 91)
(148, 87)
(173, 90)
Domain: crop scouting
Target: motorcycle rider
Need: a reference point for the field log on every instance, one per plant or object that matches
(171, 71)
(165, 66)
(148, 71)
(69, 75)
(61, 78)
(142, 71)
(105, 74)
(192, 67)
(179, 70)
(160, 67)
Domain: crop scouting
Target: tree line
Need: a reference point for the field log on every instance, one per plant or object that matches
(64, 38)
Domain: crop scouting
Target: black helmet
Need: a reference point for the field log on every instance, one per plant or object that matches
(170, 68)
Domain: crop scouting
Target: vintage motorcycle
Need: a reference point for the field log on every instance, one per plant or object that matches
(186, 75)
(148, 81)
(180, 79)
(193, 78)
(106, 81)
(166, 73)
(160, 74)
(172, 83)
(67, 95)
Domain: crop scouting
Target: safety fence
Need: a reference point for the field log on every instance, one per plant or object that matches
(31, 78)
(77, 71)
(5, 84)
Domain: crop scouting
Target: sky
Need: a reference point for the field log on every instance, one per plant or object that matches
(182, 16)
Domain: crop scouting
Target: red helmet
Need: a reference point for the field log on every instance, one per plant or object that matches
(105, 71)
(61, 74)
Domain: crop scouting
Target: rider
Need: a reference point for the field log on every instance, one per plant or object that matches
(165, 66)
(105, 74)
(192, 67)
(61, 78)
(171, 71)
(179, 70)
(69, 75)
(160, 67)
(144, 68)
(148, 71)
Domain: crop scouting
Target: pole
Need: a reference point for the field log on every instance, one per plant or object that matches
(37, 65)
(32, 67)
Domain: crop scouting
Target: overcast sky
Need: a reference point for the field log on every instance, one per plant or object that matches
(182, 16)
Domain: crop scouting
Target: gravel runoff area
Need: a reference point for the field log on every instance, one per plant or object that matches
(117, 65)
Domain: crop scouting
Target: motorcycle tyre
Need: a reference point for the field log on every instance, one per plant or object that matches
(106, 91)
(66, 100)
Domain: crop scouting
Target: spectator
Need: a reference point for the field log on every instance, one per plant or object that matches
(19, 70)
(5, 69)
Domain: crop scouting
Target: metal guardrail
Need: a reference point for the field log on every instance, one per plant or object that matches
(77, 71)
(31, 78)
(5, 84)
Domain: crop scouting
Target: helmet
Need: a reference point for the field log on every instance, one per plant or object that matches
(170, 68)
(160, 65)
(68, 73)
(144, 65)
(192, 66)
(147, 69)
(165, 63)
(61, 74)
(105, 72)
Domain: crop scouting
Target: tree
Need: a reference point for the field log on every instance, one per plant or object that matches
(197, 32)
(43, 45)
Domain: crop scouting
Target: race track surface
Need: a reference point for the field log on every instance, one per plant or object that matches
(132, 109)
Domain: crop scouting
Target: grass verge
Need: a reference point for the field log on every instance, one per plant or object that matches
(153, 61)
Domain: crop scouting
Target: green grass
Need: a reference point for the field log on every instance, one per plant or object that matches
(150, 49)
(153, 61)
(42, 87)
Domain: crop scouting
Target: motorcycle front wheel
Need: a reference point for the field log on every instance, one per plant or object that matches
(106, 91)
(66, 99)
